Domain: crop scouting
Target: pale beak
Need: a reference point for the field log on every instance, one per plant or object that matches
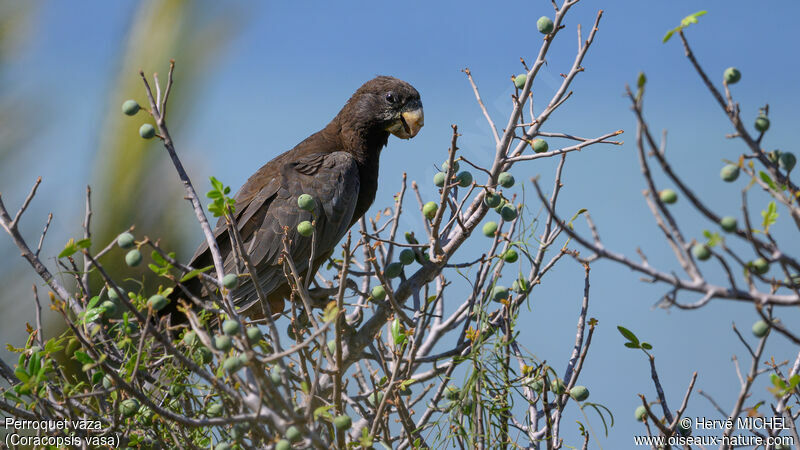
(408, 124)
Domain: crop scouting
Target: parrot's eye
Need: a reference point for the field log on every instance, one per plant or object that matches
(391, 98)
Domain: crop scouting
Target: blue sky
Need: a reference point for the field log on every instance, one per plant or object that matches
(291, 65)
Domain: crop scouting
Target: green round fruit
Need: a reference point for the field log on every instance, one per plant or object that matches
(283, 444)
(668, 196)
(275, 374)
(232, 364)
(519, 80)
(787, 161)
(214, 410)
(108, 382)
(146, 414)
(452, 393)
(203, 356)
(762, 123)
(223, 343)
(760, 266)
(728, 223)
(510, 256)
(293, 434)
(732, 75)
(393, 270)
(429, 210)
(760, 329)
(489, 229)
(253, 335)
(701, 252)
(130, 107)
(505, 179)
(157, 302)
(305, 228)
(129, 407)
(579, 393)
(537, 384)
(306, 202)
(147, 131)
(492, 200)
(190, 338)
(110, 308)
(230, 281)
(640, 413)
(540, 146)
(375, 398)
(464, 179)
(378, 292)
(133, 258)
(223, 446)
(729, 172)
(499, 293)
(343, 422)
(406, 257)
(439, 179)
(112, 294)
(508, 212)
(230, 327)
(125, 240)
(445, 166)
(544, 25)
(557, 386)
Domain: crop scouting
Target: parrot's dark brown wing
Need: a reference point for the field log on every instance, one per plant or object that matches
(263, 215)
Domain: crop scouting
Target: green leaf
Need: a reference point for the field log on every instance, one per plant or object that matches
(685, 22)
(766, 179)
(324, 412)
(93, 314)
(647, 346)
(714, 238)
(84, 243)
(83, 358)
(628, 334)
(69, 249)
(692, 18)
(158, 258)
(195, 273)
(770, 216)
(93, 302)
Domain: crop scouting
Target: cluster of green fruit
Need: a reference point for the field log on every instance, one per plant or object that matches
(224, 343)
(126, 241)
(732, 76)
(130, 108)
(394, 270)
(557, 386)
(784, 160)
(306, 203)
(463, 178)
